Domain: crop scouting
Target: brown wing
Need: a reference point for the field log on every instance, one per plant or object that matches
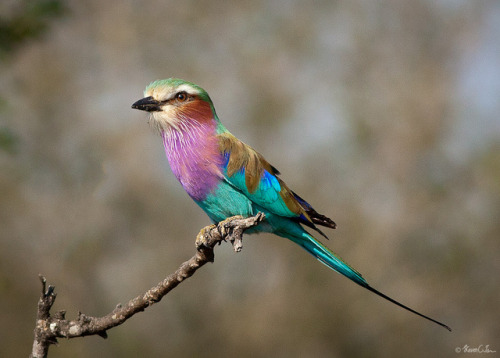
(244, 160)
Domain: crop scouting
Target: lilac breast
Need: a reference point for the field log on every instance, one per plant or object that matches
(194, 156)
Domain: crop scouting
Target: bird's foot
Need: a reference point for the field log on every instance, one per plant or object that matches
(230, 228)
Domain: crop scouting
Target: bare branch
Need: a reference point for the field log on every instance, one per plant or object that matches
(50, 327)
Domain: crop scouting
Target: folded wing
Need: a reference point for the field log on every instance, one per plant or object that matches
(249, 172)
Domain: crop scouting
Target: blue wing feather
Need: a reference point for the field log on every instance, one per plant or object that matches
(267, 193)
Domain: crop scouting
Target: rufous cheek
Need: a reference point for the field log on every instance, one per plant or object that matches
(197, 109)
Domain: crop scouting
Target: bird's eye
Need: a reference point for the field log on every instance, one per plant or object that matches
(181, 96)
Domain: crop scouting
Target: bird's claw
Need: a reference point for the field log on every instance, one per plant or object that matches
(227, 228)
(231, 228)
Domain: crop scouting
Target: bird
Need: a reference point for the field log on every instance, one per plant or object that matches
(227, 177)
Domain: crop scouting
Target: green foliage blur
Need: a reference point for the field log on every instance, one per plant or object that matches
(30, 20)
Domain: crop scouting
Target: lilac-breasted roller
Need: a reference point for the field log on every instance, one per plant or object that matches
(226, 177)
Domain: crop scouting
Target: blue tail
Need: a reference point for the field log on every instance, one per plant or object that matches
(327, 257)
(330, 259)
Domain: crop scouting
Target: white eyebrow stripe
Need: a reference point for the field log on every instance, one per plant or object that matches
(188, 89)
(166, 94)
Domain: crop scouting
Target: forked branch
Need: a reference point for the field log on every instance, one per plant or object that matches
(50, 327)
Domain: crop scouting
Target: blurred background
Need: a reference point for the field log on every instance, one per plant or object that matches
(384, 115)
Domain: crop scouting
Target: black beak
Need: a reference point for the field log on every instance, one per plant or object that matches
(148, 104)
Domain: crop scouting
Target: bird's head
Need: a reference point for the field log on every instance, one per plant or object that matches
(174, 104)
